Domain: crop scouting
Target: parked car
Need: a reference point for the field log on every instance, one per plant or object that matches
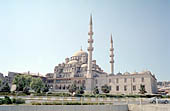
(155, 100)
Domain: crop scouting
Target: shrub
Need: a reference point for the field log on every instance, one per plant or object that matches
(20, 101)
(106, 89)
(89, 95)
(13, 100)
(72, 88)
(1, 101)
(65, 103)
(21, 94)
(7, 100)
(96, 91)
(53, 94)
(78, 95)
(166, 96)
(72, 103)
(51, 103)
(4, 93)
(35, 103)
(80, 90)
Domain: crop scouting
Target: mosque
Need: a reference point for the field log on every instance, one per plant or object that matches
(81, 69)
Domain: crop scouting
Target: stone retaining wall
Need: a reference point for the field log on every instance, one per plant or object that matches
(64, 108)
(149, 107)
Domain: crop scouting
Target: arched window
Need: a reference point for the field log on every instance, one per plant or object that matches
(60, 87)
(75, 82)
(56, 87)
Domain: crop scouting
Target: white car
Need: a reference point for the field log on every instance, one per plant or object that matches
(158, 100)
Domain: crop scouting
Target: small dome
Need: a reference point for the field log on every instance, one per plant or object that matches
(119, 73)
(79, 53)
(126, 73)
(72, 62)
(135, 72)
(84, 65)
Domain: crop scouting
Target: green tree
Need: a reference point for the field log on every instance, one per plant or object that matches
(72, 88)
(96, 91)
(7, 100)
(142, 89)
(0, 83)
(46, 88)
(105, 89)
(22, 81)
(26, 90)
(37, 85)
(79, 90)
(5, 88)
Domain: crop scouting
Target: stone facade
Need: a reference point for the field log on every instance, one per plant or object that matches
(82, 70)
(73, 70)
(131, 83)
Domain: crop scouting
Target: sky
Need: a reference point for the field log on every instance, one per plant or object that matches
(37, 35)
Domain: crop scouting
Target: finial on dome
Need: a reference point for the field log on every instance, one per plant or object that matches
(81, 48)
(111, 39)
(91, 19)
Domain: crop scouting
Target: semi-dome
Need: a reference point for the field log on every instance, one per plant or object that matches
(84, 65)
(79, 53)
(119, 73)
(72, 62)
(135, 72)
(126, 73)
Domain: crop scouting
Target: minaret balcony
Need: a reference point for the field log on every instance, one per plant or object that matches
(90, 48)
(90, 33)
(90, 40)
(111, 49)
(111, 55)
(111, 61)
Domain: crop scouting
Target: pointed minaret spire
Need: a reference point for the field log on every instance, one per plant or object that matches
(111, 56)
(111, 39)
(91, 23)
(90, 50)
(81, 49)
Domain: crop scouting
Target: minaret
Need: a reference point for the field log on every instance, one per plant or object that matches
(90, 49)
(111, 56)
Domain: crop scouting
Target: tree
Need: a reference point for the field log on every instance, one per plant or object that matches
(105, 89)
(0, 83)
(142, 89)
(72, 88)
(26, 90)
(46, 88)
(7, 100)
(96, 91)
(79, 90)
(5, 88)
(22, 81)
(37, 85)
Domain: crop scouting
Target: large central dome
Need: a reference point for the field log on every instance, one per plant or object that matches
(79, 53)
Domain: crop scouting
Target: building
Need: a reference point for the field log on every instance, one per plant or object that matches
(131, 83)
(73, 70)
(81, 69)
(11, 76)
(1, 77)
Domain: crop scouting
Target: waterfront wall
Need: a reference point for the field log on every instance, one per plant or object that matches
(64, 108)
(149, 107)
(130, 107)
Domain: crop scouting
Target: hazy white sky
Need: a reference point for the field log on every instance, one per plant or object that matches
(36, 35)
